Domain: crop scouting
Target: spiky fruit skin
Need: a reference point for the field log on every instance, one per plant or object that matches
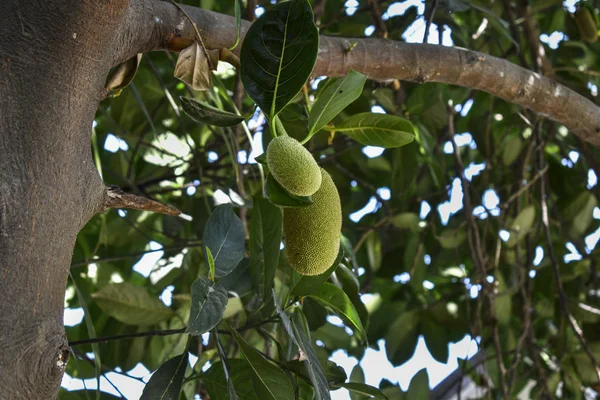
(293, 166)
(586, 24)
(312, 234)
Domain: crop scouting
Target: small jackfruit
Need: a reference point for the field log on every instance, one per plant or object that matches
(293, 166)
(586, 25)
(312, 234)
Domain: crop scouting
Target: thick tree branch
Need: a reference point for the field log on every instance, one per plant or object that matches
(155, 25)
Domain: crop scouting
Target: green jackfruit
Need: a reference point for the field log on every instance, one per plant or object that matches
(586, 25)
(312, 234)
(293, 166)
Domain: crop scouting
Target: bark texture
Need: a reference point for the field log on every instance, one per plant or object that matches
(52, 69)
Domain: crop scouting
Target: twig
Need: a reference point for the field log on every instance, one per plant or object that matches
(477, 253)
(116, 198)
(524, 188)
(128, 256)
(434, 5)
(381, 29)
(198, 36)
(555, 268)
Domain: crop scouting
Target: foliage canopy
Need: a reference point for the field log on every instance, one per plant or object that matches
(483, 217)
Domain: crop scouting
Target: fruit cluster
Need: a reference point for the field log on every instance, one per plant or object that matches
(311, 234)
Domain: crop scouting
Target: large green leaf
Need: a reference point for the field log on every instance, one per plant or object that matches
(369, 392)
(224, 235)
(270, 382)
(132, 305)
(241, 375)
(207, 114)
(307, 284)
(278, 55)
(334, 298)
(297, 327)
(265, 241)
(371, 129)
(521, 226)
(165, 383)
(209, 301)
(334, 97)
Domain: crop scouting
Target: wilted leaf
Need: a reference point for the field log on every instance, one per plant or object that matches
(194, 68)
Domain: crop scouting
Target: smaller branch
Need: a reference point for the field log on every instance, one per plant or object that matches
(107, 339)
(524, 188)
(116, 198)
(381, 29)
(555, 268)
(434, 5)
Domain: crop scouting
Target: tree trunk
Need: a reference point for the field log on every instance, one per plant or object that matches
(53, 62)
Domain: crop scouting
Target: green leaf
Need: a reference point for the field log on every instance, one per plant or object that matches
(371, 129)
(511, 149)
(308, 284)
(278, 55)
(452, 238)
(281, 197)
(365, 390)
(297, 327)
(373, 245)
(237, 7)
(165, 383)
(203, 112)
(225, 237)
(521, 226)
(231, 393)
(334, 298)
(241, 374)
(334, 97)
(209, 301)
(502, 301)
(131, 305)
(419, 386)
(262, 159)
(270, 382)
(211, 263)
(265, 241)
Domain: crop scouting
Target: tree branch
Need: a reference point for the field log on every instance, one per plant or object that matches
(156, 25)
(116, 198)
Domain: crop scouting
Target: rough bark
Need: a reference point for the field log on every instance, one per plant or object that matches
(53, 64)
(155, 25)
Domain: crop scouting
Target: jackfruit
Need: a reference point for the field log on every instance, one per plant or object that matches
(312, 234)
(293, 166)
(586, 25)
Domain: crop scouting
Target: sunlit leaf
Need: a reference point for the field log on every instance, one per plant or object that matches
(371, 129)
(132, 305)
